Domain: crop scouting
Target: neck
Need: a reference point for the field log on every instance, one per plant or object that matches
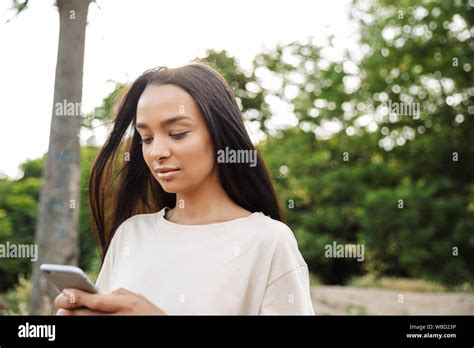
(203, 205)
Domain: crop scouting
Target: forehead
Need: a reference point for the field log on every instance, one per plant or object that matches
(164, 101)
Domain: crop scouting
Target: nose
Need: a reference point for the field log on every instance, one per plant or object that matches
(159, 148)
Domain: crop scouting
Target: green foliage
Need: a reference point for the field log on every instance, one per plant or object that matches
(18, 207)
(16, 301)
(19, 5)
(88, 252)
(411, 53)
(104, 113)
(249, 95)
(323, 193)
(403, 284)
(18, 211)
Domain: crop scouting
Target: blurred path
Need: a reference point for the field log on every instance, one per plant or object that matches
(333, 300)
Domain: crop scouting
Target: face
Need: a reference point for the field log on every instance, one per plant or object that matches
(175, 137)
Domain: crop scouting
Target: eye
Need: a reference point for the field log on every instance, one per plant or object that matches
(178, 135)
(145, 141)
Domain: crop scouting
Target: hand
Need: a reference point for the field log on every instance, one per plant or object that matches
(119, 302)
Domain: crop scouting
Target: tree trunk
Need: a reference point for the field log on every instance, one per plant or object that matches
(57, 225)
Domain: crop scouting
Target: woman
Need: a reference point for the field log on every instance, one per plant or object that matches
(191, 231)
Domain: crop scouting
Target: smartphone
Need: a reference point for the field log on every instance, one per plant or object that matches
(68, 277)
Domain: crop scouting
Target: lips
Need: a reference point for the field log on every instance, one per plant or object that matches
(165, 170)
(166, 173)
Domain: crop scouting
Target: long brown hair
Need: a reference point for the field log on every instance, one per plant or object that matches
(137, 191)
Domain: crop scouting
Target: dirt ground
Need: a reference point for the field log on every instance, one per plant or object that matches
(343, 300)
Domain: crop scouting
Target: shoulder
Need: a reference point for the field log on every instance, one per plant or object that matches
(138, 220)
(274, 232)
(279, 241)
(134, 226)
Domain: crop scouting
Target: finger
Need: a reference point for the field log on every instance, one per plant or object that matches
(62, 311)
(83, 311)
(121, 291)
(66, 301)
(97, 302)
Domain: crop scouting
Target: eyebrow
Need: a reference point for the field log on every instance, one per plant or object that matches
(165, 122)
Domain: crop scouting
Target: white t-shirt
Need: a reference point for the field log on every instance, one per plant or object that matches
(249, 265)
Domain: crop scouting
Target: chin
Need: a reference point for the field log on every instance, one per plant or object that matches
(168, 187)
(176, 187)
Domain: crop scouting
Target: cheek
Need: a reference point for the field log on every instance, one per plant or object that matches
(147, 158)
(196, 155)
